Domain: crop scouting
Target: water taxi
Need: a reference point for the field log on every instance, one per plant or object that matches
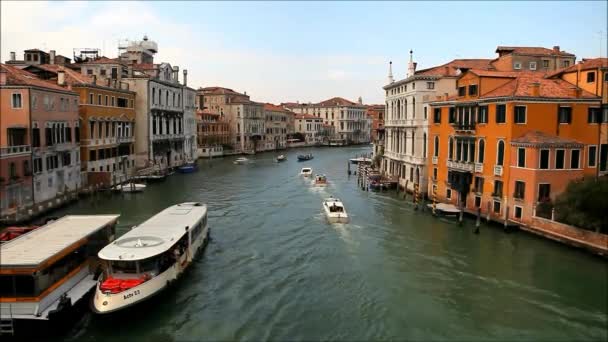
(306, 172)
(46, 273)
(305, 157)
(130, 187)
(241, 160)
(334, 210)
(281, 158)
(320, 180)
(149, 257)
(189, 167)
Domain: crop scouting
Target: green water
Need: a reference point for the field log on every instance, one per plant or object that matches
(275, 270)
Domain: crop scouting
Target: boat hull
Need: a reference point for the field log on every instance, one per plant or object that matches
(105, 303)
(187, 169)
(333, 217)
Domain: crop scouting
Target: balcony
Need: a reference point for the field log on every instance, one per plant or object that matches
(157, 137)
(460, 165)
(497, 170)
(460, 127)
(479, 167)
(13, 151)
(122, 140)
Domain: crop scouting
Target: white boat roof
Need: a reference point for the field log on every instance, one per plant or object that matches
(306, 169)
(333, 199)
(156, 235)
(34, 248)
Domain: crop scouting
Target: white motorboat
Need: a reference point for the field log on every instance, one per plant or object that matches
(281, 158)
(334, 210)
(306, 172)
(320, 180)
(130, 187)
(241, 160)
(150, 256)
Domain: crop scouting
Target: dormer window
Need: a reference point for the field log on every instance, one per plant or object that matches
(532, 65)
(517, 65)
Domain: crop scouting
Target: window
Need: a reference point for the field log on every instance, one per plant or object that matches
(89, 71)
(37, 165)
(566, 64)
(424, 114)
(99, 99)
(434, 173)
(594, 115)
(517, 65)
(501, 153)
(16, 101)
(565, 115)
(501, 113)
(520, 189)
(477, 201)
(575, 157)
(496, 207)
(546, 64)
(532, 65)
(544, 192)
(497, 189)
(473, 89)
(452, 115)
(544, 159)
(521, 157)
(520, 115)
(478, 184)
(481, 152)
(448, 194)
(436, 147)
(462, 91)
(437, 115)
(592, 156)
(102, 72)
(559, 159)
(430, 85)
(518, 211)
(91, 98)
(482, 114)
(36, 137)
(591, 77)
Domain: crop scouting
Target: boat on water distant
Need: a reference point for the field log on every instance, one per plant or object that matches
(189, 167)
(334, 210)
(305, 157)
(306, 172)
(281, 158)
(150, 178)
(145, 260)
(320, 180)
(241, 160)
(361, 160)
(47, 272)
(130, 187)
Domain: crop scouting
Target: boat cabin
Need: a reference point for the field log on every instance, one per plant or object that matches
(55, 260)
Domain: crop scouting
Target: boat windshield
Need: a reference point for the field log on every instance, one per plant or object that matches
(335, 209)
(124, 267)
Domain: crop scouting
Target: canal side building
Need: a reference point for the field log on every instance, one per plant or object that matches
(407, 117)
(190, 120)
(276, 119)
(40, 154)
(509, 141)
(212, 134)
(310, 127)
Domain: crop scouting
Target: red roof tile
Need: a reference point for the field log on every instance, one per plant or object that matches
(274, 108)
(549, 88)
(586, 64)
(105, 60)
(218, 91)
(16, 76)
(538, 137)
(451, 68)
(337, 101)
(306, 116)
(71, 76)
(532, 50)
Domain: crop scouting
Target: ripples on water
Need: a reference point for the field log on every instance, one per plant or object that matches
(276, 270)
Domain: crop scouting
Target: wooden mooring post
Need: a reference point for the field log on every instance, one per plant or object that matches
(478, 222)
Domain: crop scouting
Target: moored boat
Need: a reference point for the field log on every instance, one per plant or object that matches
(130, 187)
(320, 180)
(47, 273)
(189, 167)
(241, 160)
(305, 157)
(334, 210)
(306, 172)
(281, 158)
(145, 260)
(10, 233)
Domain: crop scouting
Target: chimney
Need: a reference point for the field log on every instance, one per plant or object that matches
(447, 70)
(579, 92)
(95, 79)
(109, 81)
(185, 77)
(13, 56)
(52, 57)
(556, 48)
(60, 77)
(176, 74)
(535, 89)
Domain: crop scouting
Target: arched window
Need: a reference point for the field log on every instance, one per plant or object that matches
(413, 142)
(405, 109)
(424, 145)
(413, 107)
(398, 109)
(451, 148)
(436, 146)
(501, 152)
(481, 151)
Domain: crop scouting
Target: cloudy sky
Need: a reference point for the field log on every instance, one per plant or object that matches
(306, 51)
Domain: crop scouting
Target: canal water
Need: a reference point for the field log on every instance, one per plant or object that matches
(276, 270)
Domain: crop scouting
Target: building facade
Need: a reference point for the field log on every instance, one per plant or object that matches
(510, 140)
(213, 134)
(535, 59)
(376, 114)
(275, 121)
(310, 127)
(190, 121)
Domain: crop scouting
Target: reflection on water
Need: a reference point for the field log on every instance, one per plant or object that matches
(275, 269)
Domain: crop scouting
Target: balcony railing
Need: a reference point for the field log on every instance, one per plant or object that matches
(497, 170)
(460, 165)
(14, 150)
(121, 140)
(479, 167)
(464, 127)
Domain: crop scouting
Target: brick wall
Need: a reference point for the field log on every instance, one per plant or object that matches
(571, 235)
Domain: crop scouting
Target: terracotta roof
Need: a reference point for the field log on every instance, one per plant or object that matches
(274, 108)
(538, 137)
(145, 66)
(492, 73)
(336, 101)
(106, 60)
(586, 64)
(35, 50)
(532, 50)
(16, 76)
(218, 91)
(71, 76)
(549, 88)
(290, 104)
(206, 112)
(450, 68)
(306, 116)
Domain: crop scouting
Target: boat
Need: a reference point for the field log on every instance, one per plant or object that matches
(151, 178)
(334, 210)
(130, 187)
(150, 256)
(241, 160)
(189, 167)
(281, 158)
(10, 233)
(361, 160)
(320, 180)
(48, 272)
(305, 157)
(306, 172)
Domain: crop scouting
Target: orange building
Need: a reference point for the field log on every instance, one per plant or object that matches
(508, 140)
(212, 133)
(376, 114)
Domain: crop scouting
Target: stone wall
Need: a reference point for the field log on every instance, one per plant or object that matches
(595, 242)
